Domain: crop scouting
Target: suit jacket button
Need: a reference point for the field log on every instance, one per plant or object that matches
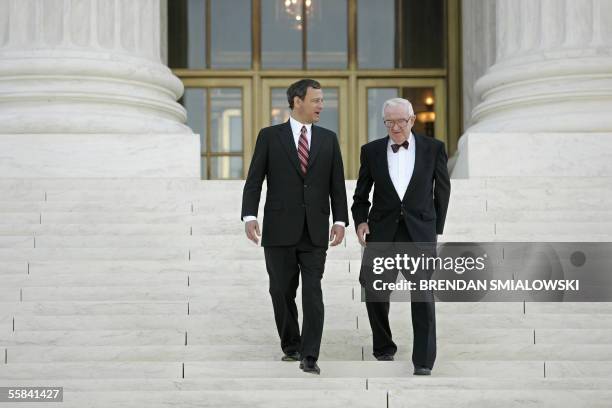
(397, 220)
(305, 185)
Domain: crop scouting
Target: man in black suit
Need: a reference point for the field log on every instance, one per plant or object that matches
(411, 194)
(304, 171)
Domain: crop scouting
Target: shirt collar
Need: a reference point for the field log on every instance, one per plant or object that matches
(296, 127)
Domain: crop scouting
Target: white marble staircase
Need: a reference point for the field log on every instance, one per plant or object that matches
(146, 293)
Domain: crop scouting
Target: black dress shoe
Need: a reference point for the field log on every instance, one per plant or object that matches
(385, 357)
(309, 365)
(418, 370)
(291, 356)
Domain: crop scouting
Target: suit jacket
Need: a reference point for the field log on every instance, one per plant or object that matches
(293, 198)
(423, 207)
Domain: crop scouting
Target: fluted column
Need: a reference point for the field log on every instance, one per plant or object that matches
(70, 68)
(553, 68)
(542, 108)
(85, 66)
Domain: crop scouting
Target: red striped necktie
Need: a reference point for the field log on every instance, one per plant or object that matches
(303, 150)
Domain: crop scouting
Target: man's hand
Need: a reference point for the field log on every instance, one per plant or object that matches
(336, 235)
(362, 230)
(251, 228)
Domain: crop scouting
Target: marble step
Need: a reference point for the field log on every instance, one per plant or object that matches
(228, 385)
(540, 183)
(16, 241)
(548, 187)
(201, 336)
(18, 218)
(168, 353)
(331, 369)
(94, 338)
(567, 307)
(200, 278)
(203, 253)
(189, 184)
(432, 383)
(545, 184)
(373, 369)
(163, 205)
(559, 199)
(237, 241)
(196, 237)
(490, 224)
(19, 195)
(96, 184)
(94, 279)
(94, 254)
(400, 318)
(230, 215)
(136, 217)
(576, 215)
(95, 229)
(161, 293)
(206, 197)
(288, 398)
(333, 352)
(245, 269)
(201, 304)
(222, 251)
(337, 318)
(332, 398)
(130, 241)
(50, 371)
(457, 228)
(567, 228)
(499, 398)
(13, 268)
(89, 307)
(260, 336)
(92, 308)
(204, 306)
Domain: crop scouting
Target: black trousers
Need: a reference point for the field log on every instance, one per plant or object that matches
(284, 265)
(423, 323)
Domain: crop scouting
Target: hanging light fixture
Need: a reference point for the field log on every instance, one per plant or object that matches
(428, 117)
(294, 11)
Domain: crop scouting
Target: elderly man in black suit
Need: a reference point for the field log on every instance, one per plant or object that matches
(411, 194)
(304, 171)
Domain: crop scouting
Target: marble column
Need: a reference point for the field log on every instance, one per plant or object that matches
(84, 93)
(548, 92)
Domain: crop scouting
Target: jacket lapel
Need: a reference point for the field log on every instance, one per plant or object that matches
(286, 137)
(315, 146)
(383, 162)
(420, 151)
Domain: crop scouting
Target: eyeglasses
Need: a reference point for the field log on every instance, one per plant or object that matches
(402, 123)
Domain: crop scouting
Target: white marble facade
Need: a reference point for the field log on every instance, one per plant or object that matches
(84, 92)
(546, 78)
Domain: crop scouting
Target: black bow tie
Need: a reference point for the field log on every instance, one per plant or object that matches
(395, 147)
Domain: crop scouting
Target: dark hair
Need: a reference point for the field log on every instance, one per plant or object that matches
(300, 88)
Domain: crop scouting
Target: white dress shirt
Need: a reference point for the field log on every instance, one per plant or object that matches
(401, 165)
(296, 129)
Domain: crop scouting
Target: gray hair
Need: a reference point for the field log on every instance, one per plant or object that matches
(398, 102)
